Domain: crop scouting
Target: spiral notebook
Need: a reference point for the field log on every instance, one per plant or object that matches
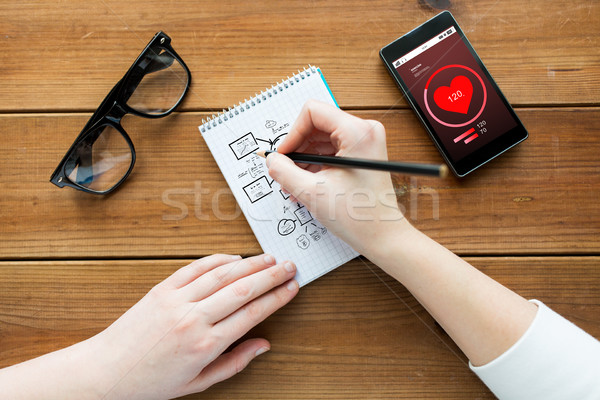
(283, 228)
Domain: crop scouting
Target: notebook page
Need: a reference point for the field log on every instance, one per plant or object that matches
(283, 228)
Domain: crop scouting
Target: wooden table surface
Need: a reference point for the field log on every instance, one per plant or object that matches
(71, 263)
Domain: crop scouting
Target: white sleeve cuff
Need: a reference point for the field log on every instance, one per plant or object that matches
(554, 359)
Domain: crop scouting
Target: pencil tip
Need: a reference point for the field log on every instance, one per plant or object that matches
(260, 153)
(443, 171)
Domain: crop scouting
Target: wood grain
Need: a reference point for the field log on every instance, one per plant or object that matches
(68, 57)
(353, 334)
(539, 198)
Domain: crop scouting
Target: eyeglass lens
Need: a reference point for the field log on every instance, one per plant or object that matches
(101, 160)
(162, 86)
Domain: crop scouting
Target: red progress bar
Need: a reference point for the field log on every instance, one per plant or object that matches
(475, 136)
(464, 135)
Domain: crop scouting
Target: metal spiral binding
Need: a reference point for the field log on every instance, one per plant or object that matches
(265, 95)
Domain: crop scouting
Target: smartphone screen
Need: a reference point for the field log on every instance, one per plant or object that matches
(453, 93)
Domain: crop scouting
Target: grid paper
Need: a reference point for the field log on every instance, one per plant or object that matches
(284, 229)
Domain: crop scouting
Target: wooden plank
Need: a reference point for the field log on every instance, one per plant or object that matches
(353, 334)
(67, 58)
(537, 198)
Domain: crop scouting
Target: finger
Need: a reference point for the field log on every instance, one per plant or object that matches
(220, 277)
(187, 274)
(324, 148)
(240, 322)
(314, 168)
(231, 298)
(297, 181)
(315, 116)
(306, 126)
(366, 139)
(318, 147)
(229, 364)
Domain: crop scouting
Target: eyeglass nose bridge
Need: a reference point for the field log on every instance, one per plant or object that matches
(116, 113)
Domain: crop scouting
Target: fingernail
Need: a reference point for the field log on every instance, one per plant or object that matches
(268, 160)
(269, 259)
(236, 257)
(293, 285)
(261, 351)
(289, 267)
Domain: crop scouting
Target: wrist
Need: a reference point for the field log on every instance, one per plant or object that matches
(84, 369)
(108, 366)
(394, 248)
(389, 241)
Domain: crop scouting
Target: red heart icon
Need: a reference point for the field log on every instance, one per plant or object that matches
(455, 98)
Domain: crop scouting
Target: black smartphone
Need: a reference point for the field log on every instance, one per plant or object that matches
(453, 94)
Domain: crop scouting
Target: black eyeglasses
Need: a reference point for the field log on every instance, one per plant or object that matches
(102, 156)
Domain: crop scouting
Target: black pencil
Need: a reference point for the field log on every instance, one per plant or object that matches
(438, 170)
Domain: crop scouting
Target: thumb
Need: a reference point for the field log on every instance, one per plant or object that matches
(299, 182)
(228, 364)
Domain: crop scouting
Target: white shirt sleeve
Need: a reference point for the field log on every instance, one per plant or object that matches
(554, 359)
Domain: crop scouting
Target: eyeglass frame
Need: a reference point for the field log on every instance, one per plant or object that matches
(114, 107)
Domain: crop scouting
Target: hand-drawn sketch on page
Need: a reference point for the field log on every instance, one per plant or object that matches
(283, 228)
(244, 146)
